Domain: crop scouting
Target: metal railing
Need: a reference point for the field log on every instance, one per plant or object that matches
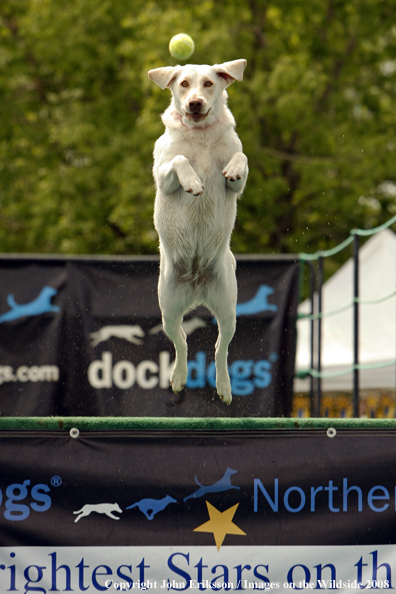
(316, 315)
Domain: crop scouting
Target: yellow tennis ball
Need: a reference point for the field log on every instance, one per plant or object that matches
(181, 46)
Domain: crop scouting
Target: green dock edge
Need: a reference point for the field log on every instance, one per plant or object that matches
(185, 424)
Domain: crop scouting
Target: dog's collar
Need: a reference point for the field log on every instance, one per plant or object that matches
(179, 118)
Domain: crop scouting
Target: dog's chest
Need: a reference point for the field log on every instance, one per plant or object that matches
(205, 164)
(208, 208)
(200, 224)
(208, 161)
(213, 211)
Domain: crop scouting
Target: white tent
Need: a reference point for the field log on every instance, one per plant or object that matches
(377, 322)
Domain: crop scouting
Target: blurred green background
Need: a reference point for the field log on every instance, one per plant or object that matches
(79, 118)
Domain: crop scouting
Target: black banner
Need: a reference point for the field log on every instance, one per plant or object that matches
(292, 488)
(83, 337)
(185, 508)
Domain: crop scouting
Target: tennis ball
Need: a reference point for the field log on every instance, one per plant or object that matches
(181, 46)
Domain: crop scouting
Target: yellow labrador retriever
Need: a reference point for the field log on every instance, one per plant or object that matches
(199, 172)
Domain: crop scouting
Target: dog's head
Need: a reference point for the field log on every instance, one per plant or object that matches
(198, 90)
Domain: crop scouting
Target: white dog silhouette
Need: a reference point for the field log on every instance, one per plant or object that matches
(129, 333)
(99, 508)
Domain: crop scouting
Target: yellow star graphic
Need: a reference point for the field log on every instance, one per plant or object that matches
(220, 524)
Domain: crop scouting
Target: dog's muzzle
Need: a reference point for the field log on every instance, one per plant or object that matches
(194, 112)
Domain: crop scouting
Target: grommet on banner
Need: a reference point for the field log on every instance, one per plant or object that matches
(74, 432)
(331, 432)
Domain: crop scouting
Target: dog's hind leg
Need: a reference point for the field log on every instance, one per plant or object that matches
(223, 305)
(173, 329)
(226, 324)
(172, 317)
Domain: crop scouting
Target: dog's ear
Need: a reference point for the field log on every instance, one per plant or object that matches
(164, 77)
(230, 71)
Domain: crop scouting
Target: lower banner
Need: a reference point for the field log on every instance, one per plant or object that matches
(197, 510)
(181, 569)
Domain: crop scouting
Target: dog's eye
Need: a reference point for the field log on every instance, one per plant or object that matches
(208, 83)
(184, 83)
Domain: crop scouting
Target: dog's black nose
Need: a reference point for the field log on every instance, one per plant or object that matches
(195, 106)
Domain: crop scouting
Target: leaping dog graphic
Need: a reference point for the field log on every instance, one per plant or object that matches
(224, 484)
(130, 333)
(99, 508)
(258, 303)
(150, 507)
(42, 304)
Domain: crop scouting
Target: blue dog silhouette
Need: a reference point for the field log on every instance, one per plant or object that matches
(258, 303)
(224, 484)
(150, 507)
(40, 305)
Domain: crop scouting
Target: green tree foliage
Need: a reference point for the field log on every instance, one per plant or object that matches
(79, 118)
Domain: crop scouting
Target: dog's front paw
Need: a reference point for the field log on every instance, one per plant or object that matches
(188, 179)
(223, 388)
(236, 170)
(192, 185)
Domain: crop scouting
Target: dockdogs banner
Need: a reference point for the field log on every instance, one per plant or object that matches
(84, 337)
(195, 511)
